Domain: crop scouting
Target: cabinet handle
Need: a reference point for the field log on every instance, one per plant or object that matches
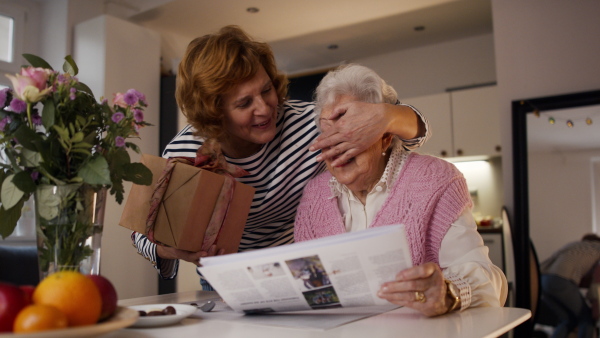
(459, 152)
(498, 148)
(443, 153)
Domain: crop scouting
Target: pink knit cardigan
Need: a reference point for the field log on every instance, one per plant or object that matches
(428, 196)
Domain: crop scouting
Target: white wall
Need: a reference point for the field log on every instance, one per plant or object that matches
(433, 69)
(560, 198)
(113, 56)
(542, 48)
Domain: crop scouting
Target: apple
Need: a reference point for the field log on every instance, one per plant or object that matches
(108, 294)
(12, 300)
(28, 291)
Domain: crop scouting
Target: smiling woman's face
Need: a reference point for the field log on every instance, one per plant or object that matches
(250, 112)
(363, 171)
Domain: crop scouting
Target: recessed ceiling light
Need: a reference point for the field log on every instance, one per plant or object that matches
(332, 46)
(252, 10)
(419, 28)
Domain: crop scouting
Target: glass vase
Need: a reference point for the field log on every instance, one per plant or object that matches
(69, 222)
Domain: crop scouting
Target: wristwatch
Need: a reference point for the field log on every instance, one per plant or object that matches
(453, 292)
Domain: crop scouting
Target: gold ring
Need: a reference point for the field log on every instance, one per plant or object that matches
(420, 297)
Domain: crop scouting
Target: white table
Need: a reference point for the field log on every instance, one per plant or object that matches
(402, 322)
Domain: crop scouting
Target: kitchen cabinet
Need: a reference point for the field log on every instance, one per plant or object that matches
(493, 240)
(463, 122)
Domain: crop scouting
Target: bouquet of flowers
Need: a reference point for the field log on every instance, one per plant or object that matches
(54, 132)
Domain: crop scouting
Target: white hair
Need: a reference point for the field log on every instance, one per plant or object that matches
(354, 80)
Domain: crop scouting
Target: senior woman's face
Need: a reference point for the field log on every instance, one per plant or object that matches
(250, 110)
(363, 171)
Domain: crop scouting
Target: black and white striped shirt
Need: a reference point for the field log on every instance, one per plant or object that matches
(278, 172)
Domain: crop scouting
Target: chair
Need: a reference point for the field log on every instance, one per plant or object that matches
(509, 271)
(509, 258)
(19, 264)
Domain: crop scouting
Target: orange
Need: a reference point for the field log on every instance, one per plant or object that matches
(35, 318)
(72, 293)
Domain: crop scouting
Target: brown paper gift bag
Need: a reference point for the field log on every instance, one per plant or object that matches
(187, 207)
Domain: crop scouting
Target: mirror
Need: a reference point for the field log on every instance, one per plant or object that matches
(561, 108)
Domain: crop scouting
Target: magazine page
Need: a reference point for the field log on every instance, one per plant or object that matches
(337, 271)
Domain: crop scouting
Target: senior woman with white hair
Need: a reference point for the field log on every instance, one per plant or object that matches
(386, 185)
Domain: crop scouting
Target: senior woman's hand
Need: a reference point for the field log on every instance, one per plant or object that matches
(426, 278)
(167, 252)
(358, 125)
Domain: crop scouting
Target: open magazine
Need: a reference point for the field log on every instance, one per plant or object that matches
(338, 271)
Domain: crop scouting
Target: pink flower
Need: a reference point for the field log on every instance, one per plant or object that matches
(32, 84)
(36, 119)
(117, 117)
(119, 141)
(119, 100)
(18, 106)
(138, 115)
(130, 98)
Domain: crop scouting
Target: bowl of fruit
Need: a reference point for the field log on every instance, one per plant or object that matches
(64, 304)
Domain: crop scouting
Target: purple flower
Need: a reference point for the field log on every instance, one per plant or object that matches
(139, 95)
(117, 117)
(3, 97)
(35, 175)
(138, 115)
(104, 101)
(119, 141)
(130, 98)
(72, 95)
(36, 119)
(17, 105)
(62, 79)
(4, 122)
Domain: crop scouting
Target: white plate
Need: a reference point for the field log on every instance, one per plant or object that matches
(123, 317)
(182, 311)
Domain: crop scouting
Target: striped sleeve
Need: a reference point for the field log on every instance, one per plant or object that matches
(415, 143)
(167, 268)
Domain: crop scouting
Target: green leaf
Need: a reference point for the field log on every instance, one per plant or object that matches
(78, 137)
(3, 175)
(133, 146)
(118, 190)
(137, 173)
(27, 137)
(81, 120)
(9, 218)
(62, 132)
(95, 171)
(48, 113)
(70, 66)
(82, 144)
(30, 158)
(81, 151)
(10, 194)
(118, 159)
(37, 61)
(24, 182)
(84, 88)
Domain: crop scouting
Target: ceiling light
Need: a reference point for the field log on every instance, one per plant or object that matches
(419, 28)
(252, 10)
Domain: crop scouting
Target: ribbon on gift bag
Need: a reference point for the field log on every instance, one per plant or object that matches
(208, 157)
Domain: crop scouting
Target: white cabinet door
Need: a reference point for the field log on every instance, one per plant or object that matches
(476, 122)
(436, 108)
(494, 242)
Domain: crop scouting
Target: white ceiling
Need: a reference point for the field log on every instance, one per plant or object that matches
(300, 31)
